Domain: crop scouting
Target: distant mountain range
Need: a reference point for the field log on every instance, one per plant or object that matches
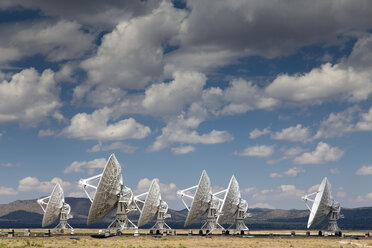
(28, 214)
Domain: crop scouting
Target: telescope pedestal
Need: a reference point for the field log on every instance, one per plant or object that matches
(121, 221)
(211, 221)
(239, 224)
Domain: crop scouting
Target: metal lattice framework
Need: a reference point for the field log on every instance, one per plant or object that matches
(152, 204)
(110, 193)
(323, 206)
(54, 207)
(203, 201)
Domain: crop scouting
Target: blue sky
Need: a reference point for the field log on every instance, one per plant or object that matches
(276, 93)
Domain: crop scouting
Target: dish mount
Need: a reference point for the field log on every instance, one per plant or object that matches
(54, 206)
(110, 193)
(323, 205)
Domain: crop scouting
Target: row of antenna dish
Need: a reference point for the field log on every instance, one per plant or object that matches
(107, 191)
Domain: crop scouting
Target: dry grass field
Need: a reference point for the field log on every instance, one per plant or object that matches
(184, 241)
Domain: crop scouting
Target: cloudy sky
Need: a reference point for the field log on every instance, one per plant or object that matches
(277, 93)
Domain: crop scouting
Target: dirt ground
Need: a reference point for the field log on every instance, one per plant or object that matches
(81, 239)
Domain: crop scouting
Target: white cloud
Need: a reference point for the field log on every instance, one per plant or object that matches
(242, 96)
(341, 194)
(183, 150)
(257, 133)
(79, 194)
(334, 171)
(179, 130)
(329, 82)
(258, 151)
(7, 191)
(58, 41)
(95, 127)
(126, 148)
(168, 191)
(364, 170)
(293, 172)
(80, 166)
(282, 192)
(323, 153)
(29, 98)
(32, 184)
(132, 54)
(338, 124)
(262, 205)
(313, 188)
(294, 133)
(275, 175)
(365, 124)
(171, 98)
(46, 133)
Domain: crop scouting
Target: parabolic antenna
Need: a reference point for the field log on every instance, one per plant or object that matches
(233, 206)
(202, 201)
(110, 192)
(323, 206)
(54, 206)
(152, 205)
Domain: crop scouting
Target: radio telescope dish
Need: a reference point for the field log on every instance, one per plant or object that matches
(110, 193)
(151, 205)
(233, 206)
(54, 206)
(202, 201)
(323, 206)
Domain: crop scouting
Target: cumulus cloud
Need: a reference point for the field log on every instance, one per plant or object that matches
(286, 191)
(364, 170)
(338, 124)
(365, 123)
(313, 188)
(258, 151)
(33, 184)
(46, 133)
(29, 97)
(262, 205)
(182, 150)
(180, 130)
(106, 14)
(275, 175)
(329, 82)
(7, 191)
(132, 54)
(95, 127)
(242, 96)
(291, 172)
(168, 191)
(56, 41)
(323, 153)
(80, 166)
(294, 133)
(126, 148)
(334, 171)
(171, 98)
(257, 133)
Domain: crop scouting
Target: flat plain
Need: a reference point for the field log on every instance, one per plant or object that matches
(254, 239)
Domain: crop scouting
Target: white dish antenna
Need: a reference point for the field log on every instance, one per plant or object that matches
(54, 206)
(323, 206)
(233, 206)
(202, 201)
(110, 193)
(151, 205)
